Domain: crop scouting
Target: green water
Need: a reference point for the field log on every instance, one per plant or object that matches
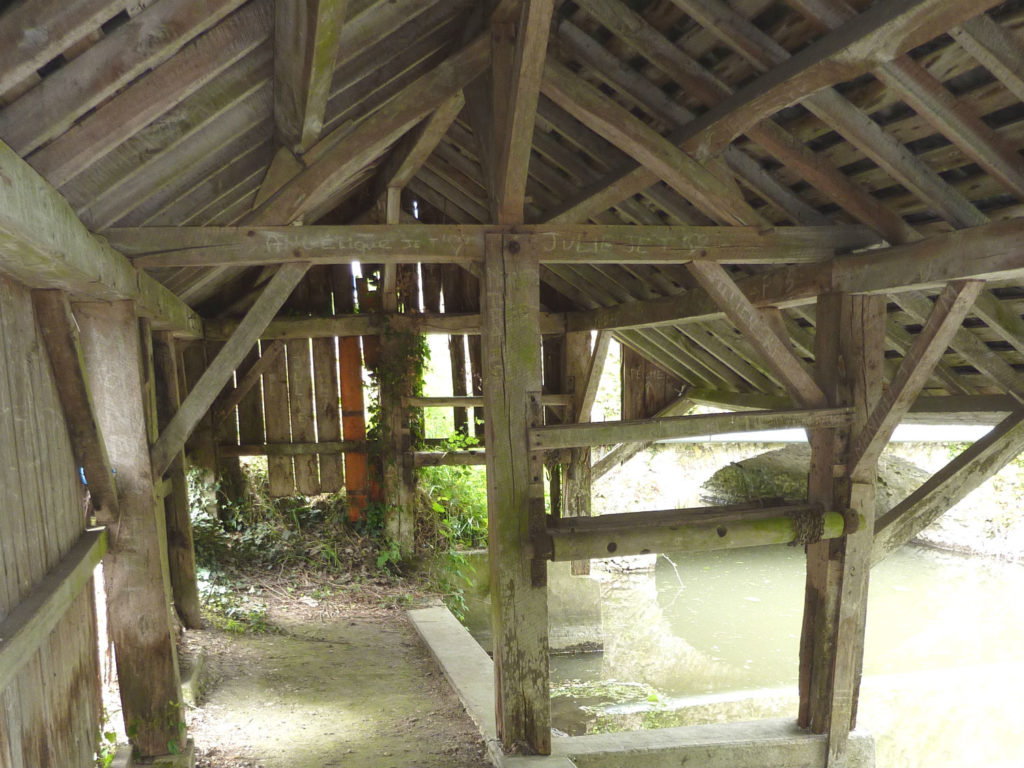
(716, 635)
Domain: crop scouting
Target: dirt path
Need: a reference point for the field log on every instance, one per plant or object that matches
(356, 689)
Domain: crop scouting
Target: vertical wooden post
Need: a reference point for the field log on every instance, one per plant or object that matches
(398, 476)
(139, 619)
(849, 344)
(576, 477)
(515, 494)
(453, 302)
(180, 549)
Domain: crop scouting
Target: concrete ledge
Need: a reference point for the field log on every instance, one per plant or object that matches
(757, 744)
(187, 759)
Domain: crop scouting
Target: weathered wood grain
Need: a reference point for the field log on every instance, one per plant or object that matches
(135, 568)
(511, 343)
(44, 245)
(199, 400)
(51, 107)
(311, 32)
(149, 97)
(24, 629)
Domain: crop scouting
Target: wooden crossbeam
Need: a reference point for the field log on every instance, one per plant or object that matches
(696, 80)
(942, 324)
(999, 50)
(471, 401)
(989, 252)
(372, 325)
(518, 63)
(51, 107)
(137, 105)
(44, 245)
(716, 196)
(28, 624)
(682, 530)
(63, 346)
(770, 342)
(415, 147)
(879, 34)
(463, 244)
(969, 346)
(306, 35)
(948, 486)
(770, 57)
(341, 155)
(199, 400)
(550, 438)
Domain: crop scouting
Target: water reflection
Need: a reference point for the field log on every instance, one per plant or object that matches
(713, 637)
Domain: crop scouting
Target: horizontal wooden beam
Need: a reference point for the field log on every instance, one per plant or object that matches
(449, 459)
(682, 530)
(467, 324)
(44, 245)
(469, 401)
(29, 623)
(463, 244)
(673, 427)
(292, 449)
(989, 252)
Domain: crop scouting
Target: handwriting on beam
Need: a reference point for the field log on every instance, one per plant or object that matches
(410, 243)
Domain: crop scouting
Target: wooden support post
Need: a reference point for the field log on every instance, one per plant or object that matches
(576, 481)
(139, 619)
(395, 374)
(181, 554)
(849, 343)
(452, 287)
(515, 497)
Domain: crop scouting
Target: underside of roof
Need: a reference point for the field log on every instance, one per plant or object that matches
(887, 122)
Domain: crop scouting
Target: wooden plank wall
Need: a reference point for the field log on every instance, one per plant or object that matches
(646, 388)
(297, 402)
(49, 714)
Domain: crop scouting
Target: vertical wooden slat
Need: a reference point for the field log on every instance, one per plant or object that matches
(325, 383)
(300, 403)
(515, 499)
(353, 419)
(453, 302)
(250, 407)
(275, 412)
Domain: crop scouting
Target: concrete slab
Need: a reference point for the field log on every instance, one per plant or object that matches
(758, 744)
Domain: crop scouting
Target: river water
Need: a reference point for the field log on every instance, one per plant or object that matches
(713, 637)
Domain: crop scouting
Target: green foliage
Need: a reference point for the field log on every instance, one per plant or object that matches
(228, 606)
(106, 748)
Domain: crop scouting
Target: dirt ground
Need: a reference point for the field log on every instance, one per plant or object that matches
(336, 684)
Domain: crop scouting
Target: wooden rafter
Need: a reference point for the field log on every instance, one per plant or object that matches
(517, 65)
(52, 106)
(341, 155)
(715, 195)
(879, 34)
(413, 150)
(770, 341)
(184, 73)
(998, 49)
(306, 37)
